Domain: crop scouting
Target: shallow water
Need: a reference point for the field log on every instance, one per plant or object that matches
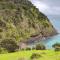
(49, 42)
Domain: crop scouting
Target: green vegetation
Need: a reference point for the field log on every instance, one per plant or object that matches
(56, 46)
(35, 47)
(20, 20)
(28, 48)
(26, 55)
(40, 47)
(9, 45)
(35, 56)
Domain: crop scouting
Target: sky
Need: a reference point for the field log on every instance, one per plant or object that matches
(49, 7)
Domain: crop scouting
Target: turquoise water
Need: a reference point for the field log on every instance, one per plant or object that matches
(49, 42)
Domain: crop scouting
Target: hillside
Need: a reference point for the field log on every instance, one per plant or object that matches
(20, 20)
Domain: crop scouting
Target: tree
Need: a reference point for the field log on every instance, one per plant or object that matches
(56, 46)
(9, 44)
(35, 56)
(40, 47)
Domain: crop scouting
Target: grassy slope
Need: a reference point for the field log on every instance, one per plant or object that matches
(25, 55)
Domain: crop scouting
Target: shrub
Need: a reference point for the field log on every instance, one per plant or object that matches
(2, 50)
(28, 48)
(1, 30)
(33, 48)
(9, 44)
(35, 56)
(22, 49)
(56, 46)
(40, 47)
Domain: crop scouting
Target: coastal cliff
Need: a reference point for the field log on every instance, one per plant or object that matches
(21, 20)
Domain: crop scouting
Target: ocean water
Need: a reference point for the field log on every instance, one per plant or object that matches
(51, 41)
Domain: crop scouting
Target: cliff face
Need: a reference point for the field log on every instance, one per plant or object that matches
(20, 20)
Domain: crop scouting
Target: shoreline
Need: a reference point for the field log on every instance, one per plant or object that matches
(37, 39)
